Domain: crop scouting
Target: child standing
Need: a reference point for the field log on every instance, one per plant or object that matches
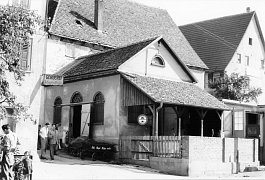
(27, 166)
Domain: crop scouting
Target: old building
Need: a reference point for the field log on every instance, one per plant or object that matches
(234, 44)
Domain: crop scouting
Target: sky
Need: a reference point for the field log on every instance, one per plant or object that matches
(190, 11)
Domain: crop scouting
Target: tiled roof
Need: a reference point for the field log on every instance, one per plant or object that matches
(125, 22)
(216, 40)
(103, 61)
(171, 92)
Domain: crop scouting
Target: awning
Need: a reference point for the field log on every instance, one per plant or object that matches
(172, 92)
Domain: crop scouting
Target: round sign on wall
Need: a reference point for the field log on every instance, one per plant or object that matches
(142, 119)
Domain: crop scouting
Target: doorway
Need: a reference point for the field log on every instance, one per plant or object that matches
(76, 120)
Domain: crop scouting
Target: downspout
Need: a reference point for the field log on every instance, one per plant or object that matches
(157, 109)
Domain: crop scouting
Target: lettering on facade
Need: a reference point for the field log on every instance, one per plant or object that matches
(52, 80)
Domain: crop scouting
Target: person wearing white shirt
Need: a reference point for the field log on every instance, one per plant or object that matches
(43, 137)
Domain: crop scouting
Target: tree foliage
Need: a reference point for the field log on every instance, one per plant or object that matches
(235, 87)
(16, 27)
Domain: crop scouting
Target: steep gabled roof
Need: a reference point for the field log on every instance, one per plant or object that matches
(216, 40)
(172, 92)
(108, 62)
(124, 23)
(101, 62)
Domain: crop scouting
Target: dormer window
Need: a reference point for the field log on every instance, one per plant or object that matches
(250, 41)
(158, 61)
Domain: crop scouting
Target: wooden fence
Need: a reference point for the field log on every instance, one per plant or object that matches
(142, 147)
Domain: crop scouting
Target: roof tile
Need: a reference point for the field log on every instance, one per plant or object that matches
(125, 22)
(216, 40)
(172, 92)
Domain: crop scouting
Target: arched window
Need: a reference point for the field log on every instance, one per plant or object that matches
(97, 109)
(76, 98)
(158, 61)
(57, 112)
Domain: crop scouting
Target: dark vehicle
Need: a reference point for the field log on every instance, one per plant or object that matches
(84, 147)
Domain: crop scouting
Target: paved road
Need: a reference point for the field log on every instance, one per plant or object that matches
(68, 168)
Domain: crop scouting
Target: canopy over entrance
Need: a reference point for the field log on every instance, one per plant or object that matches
(158, 93)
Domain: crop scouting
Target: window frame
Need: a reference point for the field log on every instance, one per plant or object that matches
(97, 109)
(250, 41)
(239, 120)
(57, 110)
(160, 58)
(26, 50)
(239, 58)
(247, 60)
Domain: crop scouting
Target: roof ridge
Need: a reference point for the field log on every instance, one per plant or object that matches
(217, 18)
(114, 49)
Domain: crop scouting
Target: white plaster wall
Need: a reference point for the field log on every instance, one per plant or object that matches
(141, 64)
(110, 88)
(57, 57)
(256, 54)
(200, 77)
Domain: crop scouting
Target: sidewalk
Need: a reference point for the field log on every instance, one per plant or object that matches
(66, 167)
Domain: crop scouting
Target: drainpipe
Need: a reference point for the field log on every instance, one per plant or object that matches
(157, 109)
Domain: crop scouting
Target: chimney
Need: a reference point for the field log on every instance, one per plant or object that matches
(98, 15)
(248, 9)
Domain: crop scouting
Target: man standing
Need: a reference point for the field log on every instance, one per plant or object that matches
(43, 138)
(8, 144)
(53, 140)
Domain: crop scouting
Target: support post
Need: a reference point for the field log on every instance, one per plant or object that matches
(202, 128)
(179, 131)
(152, 109)
(202, 114)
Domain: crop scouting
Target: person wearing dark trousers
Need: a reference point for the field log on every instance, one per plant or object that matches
(8, 146)
(53, 140)
(43, 137)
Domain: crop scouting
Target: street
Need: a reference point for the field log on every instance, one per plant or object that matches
(67, 167)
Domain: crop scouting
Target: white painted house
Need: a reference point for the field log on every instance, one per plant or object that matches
(234, 44)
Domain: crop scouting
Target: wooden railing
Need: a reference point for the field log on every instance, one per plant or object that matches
(142, 147)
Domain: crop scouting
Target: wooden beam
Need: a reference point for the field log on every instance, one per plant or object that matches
(152, 109)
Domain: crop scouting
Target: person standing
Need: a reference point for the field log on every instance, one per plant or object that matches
(53, 140)
(8, 147)
(27, 166)
(43, 137)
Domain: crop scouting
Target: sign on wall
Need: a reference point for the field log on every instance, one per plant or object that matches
(142, 119)
(52, 80)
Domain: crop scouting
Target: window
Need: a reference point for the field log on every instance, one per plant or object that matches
(216, 77)
(238, 120)
(158, 61)
(25, 56)
(77, 98)
(239, 58)
(250, 41)
(247, 60)
(57, 112)
(262, 63)
(97, 109)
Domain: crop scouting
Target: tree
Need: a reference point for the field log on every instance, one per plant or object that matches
(16, 27)
(234, 87)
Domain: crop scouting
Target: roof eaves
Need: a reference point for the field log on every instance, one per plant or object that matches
(82, 40)
(260, 31)
(123, 74)
(181, 63)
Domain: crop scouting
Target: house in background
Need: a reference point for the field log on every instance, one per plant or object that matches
(234, 44)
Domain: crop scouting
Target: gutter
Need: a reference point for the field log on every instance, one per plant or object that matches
(156, 122)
